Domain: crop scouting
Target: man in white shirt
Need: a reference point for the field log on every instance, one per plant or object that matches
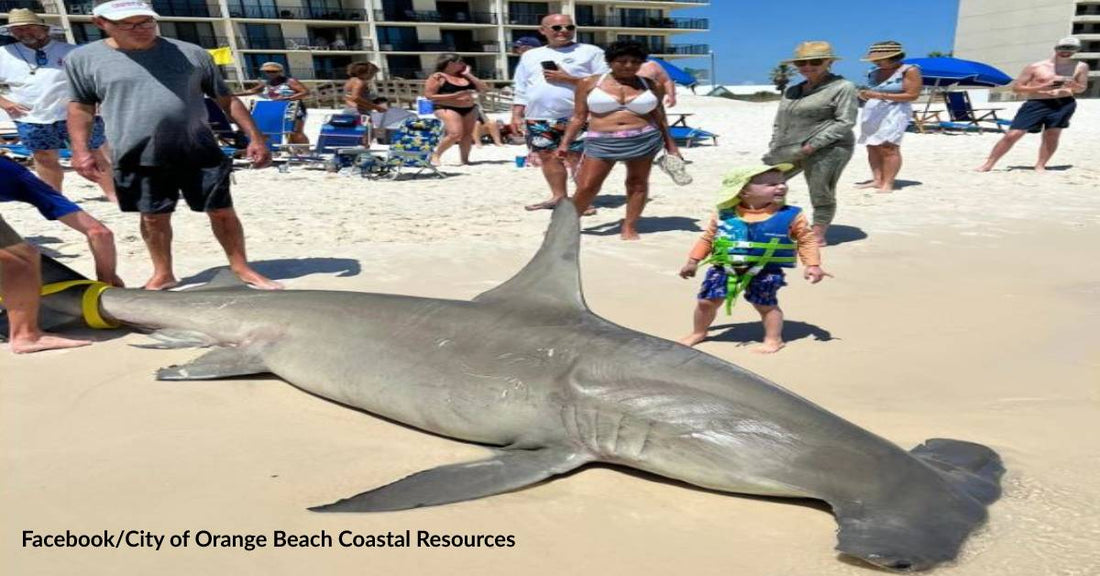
(38, 96)
(544, 85)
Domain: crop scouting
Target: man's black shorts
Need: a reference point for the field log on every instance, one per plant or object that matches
(157, 189)
(1037, 115)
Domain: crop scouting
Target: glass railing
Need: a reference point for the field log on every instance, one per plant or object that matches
(524, 19)
(311, 44)
(435, 16)
(296, 13)
(616, 22)
(186, 9)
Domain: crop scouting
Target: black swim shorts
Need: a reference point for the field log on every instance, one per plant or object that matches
(157, 189)
(1038, 115)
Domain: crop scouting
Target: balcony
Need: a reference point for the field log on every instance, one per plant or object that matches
(436, 16)
(172, 9)
(486, 47)
(306, 44)
(525, 19)
(296, 13)
(666, 23)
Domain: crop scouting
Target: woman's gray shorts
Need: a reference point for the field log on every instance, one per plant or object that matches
(635, 147)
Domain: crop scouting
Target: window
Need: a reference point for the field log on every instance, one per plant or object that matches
(201, 33)
(264, 36)
(84, 32)
(397, 38)
(253, 9)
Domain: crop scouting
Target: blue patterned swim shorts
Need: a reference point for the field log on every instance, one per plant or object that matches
(761, 291)
(546, 135)
(56, 136)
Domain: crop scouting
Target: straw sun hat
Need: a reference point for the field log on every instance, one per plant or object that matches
(273, 66)
(24, 17)
(813, 50)
(883, 50)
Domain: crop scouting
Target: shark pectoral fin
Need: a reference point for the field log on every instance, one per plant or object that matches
(224, 279)
(218, 363)
(174, 339)
(507, 471)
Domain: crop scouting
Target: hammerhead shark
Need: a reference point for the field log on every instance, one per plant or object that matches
(528, 369)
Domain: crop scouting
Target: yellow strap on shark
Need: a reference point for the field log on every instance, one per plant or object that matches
(89, 303)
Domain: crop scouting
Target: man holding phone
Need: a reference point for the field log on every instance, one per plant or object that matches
(544, 85)
(1051, 86)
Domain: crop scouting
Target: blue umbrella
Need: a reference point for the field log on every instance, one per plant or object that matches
(958, 72)
(677, 74)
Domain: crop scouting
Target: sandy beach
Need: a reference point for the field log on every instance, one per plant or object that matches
(963, 306)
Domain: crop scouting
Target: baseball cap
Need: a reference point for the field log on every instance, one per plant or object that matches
(527, 41)
(116, 10)
(1068, 43)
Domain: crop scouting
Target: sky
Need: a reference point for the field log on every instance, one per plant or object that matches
(749, 37)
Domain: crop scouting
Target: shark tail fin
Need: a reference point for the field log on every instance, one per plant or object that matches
(69, 298)
(972, 468)
(941, 499)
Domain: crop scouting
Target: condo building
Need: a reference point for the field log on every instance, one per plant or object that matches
(1010, 34)
(316, 39)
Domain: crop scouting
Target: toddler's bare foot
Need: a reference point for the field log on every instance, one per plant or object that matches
(692, 339)
(45, 341)
(769, 347)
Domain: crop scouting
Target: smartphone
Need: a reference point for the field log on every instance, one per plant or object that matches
(549, 65)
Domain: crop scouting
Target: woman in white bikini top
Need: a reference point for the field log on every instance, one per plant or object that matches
(626, 123)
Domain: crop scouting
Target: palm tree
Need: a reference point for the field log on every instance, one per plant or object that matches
(781, 76)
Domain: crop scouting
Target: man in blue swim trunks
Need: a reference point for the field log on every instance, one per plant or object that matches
(34, 71)
(20, 185)
(1050, 86)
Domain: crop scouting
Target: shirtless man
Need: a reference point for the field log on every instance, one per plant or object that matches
(1050, 86)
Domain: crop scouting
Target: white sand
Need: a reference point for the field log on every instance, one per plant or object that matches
(963, 306)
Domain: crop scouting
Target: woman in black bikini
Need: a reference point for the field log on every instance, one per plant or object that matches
(453, 90)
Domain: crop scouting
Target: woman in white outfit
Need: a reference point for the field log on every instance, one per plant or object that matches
(886, 112)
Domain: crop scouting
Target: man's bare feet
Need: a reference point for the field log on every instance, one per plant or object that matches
(769, 347)
(867, 184)
(545, 205)
(629, 234)
(984, 167)
(435, 161)
(113, 280)
(45, 341)
(692, 339)
(161, 283)
(257, 280)
(1039, 168)
(884, 191)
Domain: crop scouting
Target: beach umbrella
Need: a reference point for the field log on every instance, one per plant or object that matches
(958, 72)
(677, 74)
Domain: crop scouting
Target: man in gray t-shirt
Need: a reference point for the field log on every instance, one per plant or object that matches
(150, 91)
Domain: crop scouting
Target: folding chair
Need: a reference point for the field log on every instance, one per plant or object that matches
(689, 136)
(229, 138)
(961, 111)
(275, 120)
(414, 145)
(342, 131)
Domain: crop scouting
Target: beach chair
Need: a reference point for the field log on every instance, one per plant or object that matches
(275, 119)
(341, 131)
(962, 112)
(413, 147)
(689, 137)
(229, 138)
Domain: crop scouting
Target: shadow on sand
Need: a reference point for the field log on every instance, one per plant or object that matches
(287, 268)
(647, 225)
(751, 332)
(839, 234)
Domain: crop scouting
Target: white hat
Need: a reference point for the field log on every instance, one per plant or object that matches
(116, 10)
(1069, 42)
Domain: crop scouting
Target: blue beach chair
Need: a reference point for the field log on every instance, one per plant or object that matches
(341, 131)
(689, 136)
(414, 145)
(275, 119)
(965, 117)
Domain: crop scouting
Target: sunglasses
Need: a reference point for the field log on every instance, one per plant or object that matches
(559, 27)
(1065, 49)
(814, 62)
(143, 25)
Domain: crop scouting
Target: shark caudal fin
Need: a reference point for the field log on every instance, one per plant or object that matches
(56, 309)
(552, 278)
(928, 513)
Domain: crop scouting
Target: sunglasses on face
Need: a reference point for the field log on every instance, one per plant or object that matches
(143, 25)
(559, 27)
(814, 62)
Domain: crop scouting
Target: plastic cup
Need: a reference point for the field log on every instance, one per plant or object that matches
(521, 161)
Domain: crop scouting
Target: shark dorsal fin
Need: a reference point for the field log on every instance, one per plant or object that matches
(553, 277)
